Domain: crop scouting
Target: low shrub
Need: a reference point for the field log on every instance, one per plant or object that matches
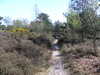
(15, 42)
(14, 64)
(86, 66)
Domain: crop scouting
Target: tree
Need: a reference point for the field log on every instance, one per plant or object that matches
(57, 26)
(74, 20)
(10, 27)
(0, 20)
(88, 17)
(36, 26)
(20, 23)
(25, 22)
(7, 21)
(2, 27)
(81, 5)
(42, 23)
(17, 22)
(44, 18)
(74, 24)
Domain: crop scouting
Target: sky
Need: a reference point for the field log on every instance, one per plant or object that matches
(22, 9)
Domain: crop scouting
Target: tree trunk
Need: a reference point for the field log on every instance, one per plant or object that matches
(94, 44)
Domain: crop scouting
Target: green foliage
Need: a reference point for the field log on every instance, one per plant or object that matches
(42, 24)
(43, 17)
(69, 31)
(81, 5)
(2, 27)
(74, 20)
(36, 27)
(7, 21)
(17, 22)
(57, 26)
(20, 23)
(88, 18)
(0, 20)
(87, 15)
(10, 27)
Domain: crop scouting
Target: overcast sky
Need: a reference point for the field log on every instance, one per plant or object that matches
(25, 8)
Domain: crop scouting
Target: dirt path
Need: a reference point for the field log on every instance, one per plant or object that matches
(57, 67)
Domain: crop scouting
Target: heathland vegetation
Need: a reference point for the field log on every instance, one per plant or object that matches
(25, 46)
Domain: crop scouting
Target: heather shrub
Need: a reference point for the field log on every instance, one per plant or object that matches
(78, 50)
(89, 65)
(42, 41)
(15, 42)
(7, 42)
(14, 64)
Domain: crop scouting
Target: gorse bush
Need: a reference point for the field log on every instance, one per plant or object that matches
(20, 30)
